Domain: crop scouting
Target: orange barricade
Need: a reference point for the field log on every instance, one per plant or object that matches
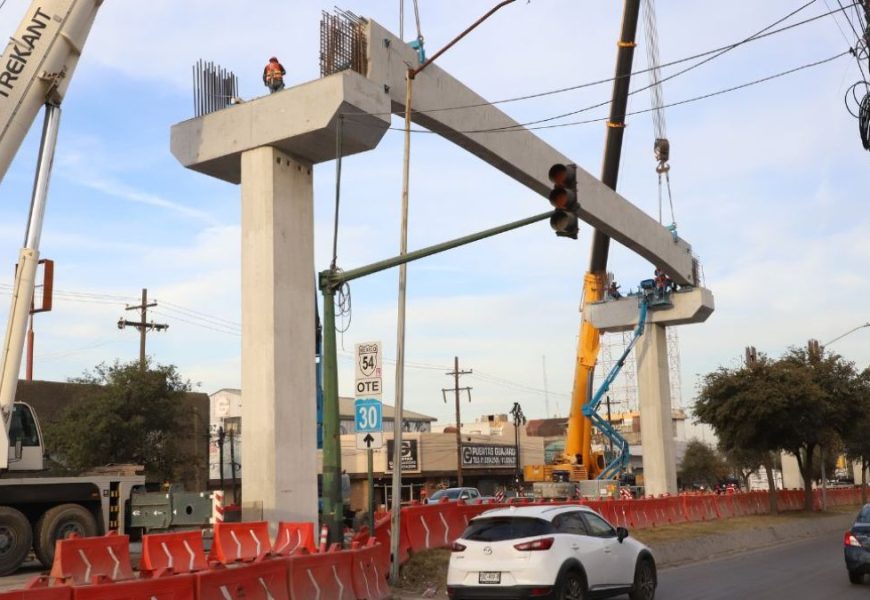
(383, 534)
(240, 542)
(264, 580)
(172, 553)
(692, 508)
(369, 576)
(92, 559)
(326, 576)
(725, 506)
(61, 592)
(294, 537)
(426, 526)
(179, 587)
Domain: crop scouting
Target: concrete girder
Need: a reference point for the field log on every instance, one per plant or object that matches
(519, 154)
(690, 306)
(299, 121)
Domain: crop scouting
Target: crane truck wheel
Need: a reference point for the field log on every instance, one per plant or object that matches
(58, 523)
(16, 538)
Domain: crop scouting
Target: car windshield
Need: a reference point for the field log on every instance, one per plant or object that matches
(497, 529)
(864, 515)
(451, 494)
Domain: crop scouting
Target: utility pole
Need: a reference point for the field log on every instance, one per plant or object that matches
(456, 389)
(143, 325)
(814, 354)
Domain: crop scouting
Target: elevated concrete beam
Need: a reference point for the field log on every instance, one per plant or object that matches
(690, 306)
(519, 154)
(299, 121)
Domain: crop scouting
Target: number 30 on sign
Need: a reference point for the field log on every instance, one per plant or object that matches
(368, 415)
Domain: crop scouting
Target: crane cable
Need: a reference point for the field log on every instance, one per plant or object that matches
(661, 147)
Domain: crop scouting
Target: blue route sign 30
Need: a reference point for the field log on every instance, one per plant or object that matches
(367, 415)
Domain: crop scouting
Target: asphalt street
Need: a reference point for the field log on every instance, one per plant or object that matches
(805, 570)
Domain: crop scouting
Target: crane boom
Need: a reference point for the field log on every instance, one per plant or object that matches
(35, 71)
(38, 64)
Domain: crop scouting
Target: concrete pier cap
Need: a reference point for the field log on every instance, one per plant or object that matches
(693, 305)
(300, 121)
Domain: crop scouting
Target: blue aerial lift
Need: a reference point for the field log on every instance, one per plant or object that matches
(649, 298)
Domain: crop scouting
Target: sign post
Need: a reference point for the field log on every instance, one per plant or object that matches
(368, 412)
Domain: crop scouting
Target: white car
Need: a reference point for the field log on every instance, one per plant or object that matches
(565, 552)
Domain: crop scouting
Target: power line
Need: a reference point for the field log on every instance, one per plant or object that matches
(520, 127)
(764, 33)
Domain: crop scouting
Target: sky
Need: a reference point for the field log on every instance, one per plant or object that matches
(770, 186)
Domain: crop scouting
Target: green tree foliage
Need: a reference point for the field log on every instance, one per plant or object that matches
(754, 409)
(702, 464)
(832, 413)
(128, 415)
(798, 403)
(856, 439)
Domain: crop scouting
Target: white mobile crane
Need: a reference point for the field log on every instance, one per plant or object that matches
(35, 510)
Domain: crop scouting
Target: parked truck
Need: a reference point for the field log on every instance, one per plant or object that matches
(35, 510)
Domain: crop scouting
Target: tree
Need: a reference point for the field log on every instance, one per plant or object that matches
(127, 415)
(833, 407)
(856, 438)
(702, 464)
(756, 409)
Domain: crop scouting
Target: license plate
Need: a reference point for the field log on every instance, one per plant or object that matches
(489, 577)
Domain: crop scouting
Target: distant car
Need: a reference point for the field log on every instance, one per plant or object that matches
(857, 547)
(453, 494)
(566, 552)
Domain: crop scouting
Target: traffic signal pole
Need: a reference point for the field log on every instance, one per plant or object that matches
(329, 281)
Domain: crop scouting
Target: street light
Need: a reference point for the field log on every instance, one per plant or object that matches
(519, 419)
(840, 337)
(395, 519)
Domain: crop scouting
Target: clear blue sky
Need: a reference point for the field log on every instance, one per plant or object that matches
(770, 187)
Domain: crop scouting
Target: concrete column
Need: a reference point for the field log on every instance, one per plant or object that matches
(656, 424)
(279, 443)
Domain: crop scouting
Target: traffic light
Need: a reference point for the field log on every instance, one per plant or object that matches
(563, 197)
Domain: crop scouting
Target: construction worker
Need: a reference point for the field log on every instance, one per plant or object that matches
(273, 75)
(613, 291)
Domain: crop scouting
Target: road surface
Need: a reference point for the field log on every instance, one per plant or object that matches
(804, 570)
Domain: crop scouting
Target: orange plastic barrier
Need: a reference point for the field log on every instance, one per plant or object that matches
(293, 538)
(240, 542)
(264, 580)
(172, 553)
(62, 592)
(179, 587)
(92, 559)
(326, 576)
(426, 526)
(369, 574)
(383, 534)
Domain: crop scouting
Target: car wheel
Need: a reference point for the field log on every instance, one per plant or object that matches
(856, 577)
(572, 587)
(15, 539)
(59, 523)
(644, 587)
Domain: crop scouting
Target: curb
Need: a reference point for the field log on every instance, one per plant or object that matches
(672, 554)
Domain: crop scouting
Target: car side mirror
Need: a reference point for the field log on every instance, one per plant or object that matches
(621, 533)
(19, 449)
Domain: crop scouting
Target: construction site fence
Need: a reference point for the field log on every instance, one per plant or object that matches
(245, 563)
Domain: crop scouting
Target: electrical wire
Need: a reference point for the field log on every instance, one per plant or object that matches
(612, 79)
(520, 127)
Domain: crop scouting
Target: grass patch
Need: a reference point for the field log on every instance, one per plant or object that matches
(682, 531)
(425, 570)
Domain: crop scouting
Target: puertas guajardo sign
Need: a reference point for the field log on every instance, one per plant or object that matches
(488, 456)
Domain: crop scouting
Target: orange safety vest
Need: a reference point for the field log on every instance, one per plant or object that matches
(273, 72)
